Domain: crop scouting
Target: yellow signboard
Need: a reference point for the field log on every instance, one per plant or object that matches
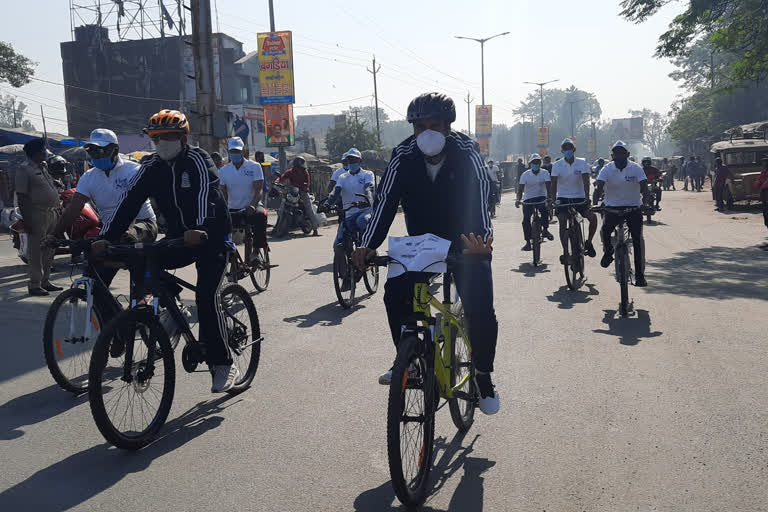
(543, 139)
(483, 121)
(276, 68)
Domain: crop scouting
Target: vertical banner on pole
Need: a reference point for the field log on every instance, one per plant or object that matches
(276, 67)
(484, 128)
(543, 140)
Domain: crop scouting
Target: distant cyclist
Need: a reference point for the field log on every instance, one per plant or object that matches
(570, 182)
(493, 175)
(338, 172)
(652, 173)
(534, 188)
(625, 187)
(351, 183)
(546, 164)
(439, 178)
(184, 182)
(242, 182)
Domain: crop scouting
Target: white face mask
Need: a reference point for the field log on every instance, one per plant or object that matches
(430, 142)
(168, 149)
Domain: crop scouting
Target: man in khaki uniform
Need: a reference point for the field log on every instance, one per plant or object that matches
(38, 201)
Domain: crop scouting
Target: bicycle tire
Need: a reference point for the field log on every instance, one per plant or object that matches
(411, 490)
(153, 335)
(573, 254)
(52, 346)
(339, 263)
(623, 278)
(536, 234)
(262, 282)
(240, 341)
(371, 279)
(461, 357)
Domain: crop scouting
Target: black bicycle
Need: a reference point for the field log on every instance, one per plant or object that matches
(622, 254)
(573, 259)
(537, 231)
(258, 268)
(75, 320)
(131, 392)
(345, 274)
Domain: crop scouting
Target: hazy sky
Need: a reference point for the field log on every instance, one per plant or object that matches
(584, 44)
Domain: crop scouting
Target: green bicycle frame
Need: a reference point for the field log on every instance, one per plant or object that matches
(423, 302)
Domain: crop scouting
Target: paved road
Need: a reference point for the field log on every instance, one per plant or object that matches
(662, 411)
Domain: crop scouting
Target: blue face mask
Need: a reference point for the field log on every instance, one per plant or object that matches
(535, 167)
(236, 158)
(105, 164)
(353, 168)
(568, 153)
(346, 167)
(620, 162)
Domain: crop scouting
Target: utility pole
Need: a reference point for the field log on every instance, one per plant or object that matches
(13, 106)
(202, 52)
(468, 101)
(45, 130)
(376, 97)
(571, 103)
(281, 150)
(482, 59)
(541, 96)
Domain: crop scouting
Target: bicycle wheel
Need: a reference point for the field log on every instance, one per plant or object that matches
(259, 269)
(131, 409)
(536, 234)
(574, 257)
(66, 347)
(243, 333)
(371, 279)
(462, 408)
(622, 276)
(343, 280)
(411, 422)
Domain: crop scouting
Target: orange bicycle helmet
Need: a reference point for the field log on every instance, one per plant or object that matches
(167, 121)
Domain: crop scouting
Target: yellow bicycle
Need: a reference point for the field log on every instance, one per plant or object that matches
(434, 360)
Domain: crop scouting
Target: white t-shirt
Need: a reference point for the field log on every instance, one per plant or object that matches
(105, 191)
(570, 184)
(535, 184)
(493, 173)
(351, 184)
(239, 182)
(622, 188)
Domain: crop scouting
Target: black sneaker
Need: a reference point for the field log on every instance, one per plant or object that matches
(640, 281)
(489, 397)
(527, 247)
(589, 249)
(606, 260)
(562, 259)
(549, 236)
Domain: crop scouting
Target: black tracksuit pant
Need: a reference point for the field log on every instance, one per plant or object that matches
(635, 224)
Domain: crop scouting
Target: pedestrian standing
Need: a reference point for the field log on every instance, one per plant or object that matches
(722, 175)
(684, 172)
(39, 203)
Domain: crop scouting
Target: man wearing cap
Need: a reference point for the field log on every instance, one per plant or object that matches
(626, 187)
(534, 188)
(38, 201)
(103, 186)
(298, 176)
(570, 182)
(493, 176)
(338, 172)
(242, 181)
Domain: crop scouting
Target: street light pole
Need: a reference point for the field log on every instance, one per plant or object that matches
(482, 59)
(541, 96)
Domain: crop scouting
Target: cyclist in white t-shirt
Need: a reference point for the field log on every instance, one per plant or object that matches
(242, 181)
(570, 181)
(351, 183)
(626, 187)
(338, 172)
(534, 188)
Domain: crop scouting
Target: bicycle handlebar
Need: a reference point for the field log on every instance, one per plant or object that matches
(451, 260)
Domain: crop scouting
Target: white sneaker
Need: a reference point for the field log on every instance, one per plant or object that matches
(488, 397)
(224, 377)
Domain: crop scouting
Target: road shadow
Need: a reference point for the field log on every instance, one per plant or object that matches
(565, 298)
(712, 272)
(450, 457)
(35, 407)
(528, 270)
(23, 338)
(325, 316)
(630, 330)
(328, 267)
(82, 476)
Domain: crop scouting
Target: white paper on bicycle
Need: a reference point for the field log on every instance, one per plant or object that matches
(423, 253)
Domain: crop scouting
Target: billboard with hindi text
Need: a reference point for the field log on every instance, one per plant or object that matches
(276, 68)
(483, 120)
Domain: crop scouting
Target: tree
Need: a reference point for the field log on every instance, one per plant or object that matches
(655, 133)
(340, 138)
(9, 105)
(15, 68)
(739, 27)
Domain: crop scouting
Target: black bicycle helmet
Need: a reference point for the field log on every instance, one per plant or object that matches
(57, 166)
(432, 105)
(646, 159)
(299, 162)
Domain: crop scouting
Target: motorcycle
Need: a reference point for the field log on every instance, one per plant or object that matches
(87, 225)
(292, 214)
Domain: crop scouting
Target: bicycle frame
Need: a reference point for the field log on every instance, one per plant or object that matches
(437, 326)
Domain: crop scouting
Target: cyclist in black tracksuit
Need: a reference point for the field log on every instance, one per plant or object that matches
(439, 178)
(184, 182)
